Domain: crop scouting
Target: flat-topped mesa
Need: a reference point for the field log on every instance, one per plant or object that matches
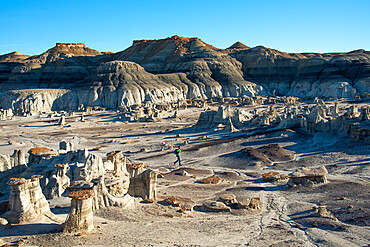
(73, 49)
(69, 44)
(182, 44)
(175, 37)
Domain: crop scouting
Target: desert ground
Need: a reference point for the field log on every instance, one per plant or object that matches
(285, 216)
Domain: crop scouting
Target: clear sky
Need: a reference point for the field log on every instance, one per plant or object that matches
(31, 26)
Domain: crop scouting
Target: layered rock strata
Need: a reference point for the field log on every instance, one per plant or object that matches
(80, 217)
(27, 203)
(70, 74)
(307, 177)
(143, 183)
(8, 162)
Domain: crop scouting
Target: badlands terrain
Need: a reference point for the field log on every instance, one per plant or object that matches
(274, 146)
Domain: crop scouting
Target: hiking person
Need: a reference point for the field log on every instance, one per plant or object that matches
(178, 153)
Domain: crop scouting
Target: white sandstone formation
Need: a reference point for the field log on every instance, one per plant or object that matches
(143, 183)
(119, 163)
(57, 168)
(27, 203)
(317, 118)
(58, 182)
(6, 114)
(106, 195)
(7, 162)
(224, 115)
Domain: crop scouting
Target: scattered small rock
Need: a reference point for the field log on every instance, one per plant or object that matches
(20, 242)
(149, 200)
(182, 173)
(3, 222)
(81, 234)
(211, 180)
(228, 199)
(172, 201)
(214, 206)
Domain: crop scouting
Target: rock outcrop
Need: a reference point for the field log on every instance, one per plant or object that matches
(80, 217)
(307, 74)
(171, 69)
(143, 183)
(14, 163)
(27, 203)
(307, 177)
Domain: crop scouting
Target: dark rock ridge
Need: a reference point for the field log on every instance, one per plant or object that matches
(174, 68)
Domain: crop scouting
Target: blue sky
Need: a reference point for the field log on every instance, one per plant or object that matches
(32, 27)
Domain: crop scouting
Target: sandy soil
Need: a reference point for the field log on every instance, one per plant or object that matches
(286, 217)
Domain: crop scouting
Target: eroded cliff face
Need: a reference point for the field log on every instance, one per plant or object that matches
(173, 69)
(214, 72)
(308, 74)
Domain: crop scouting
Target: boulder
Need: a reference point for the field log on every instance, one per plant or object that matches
(211, 180)
(228, 199)
(215, 206)
(3, 222)
(249, 203)
(273, 176)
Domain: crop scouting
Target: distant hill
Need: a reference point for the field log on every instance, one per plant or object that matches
(184, 68)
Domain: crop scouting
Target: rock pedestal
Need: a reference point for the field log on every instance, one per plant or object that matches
(26, 202)
(119, 163)
(80, 216)
(143, 183)
(103, 198)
